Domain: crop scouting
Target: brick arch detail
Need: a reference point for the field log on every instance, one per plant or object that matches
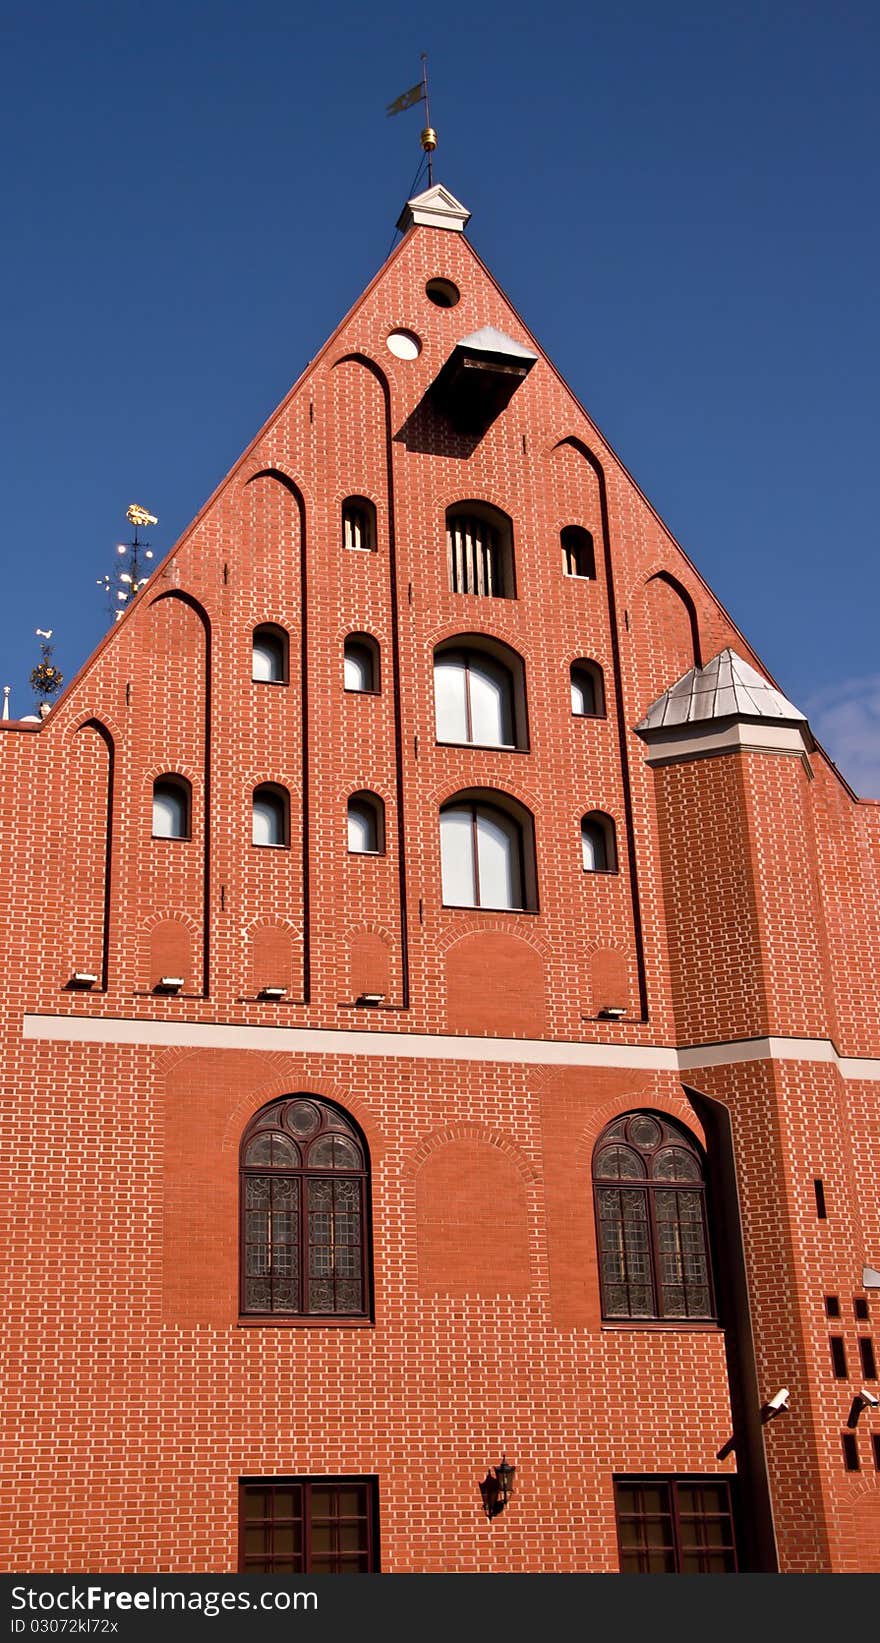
(649, 1099)
(513, 790)
(170, 915)
(370, 928)
(412, 1161)
(494, 627)
(294, 1082)
(467, 926)
(97, 720)
(267, 467)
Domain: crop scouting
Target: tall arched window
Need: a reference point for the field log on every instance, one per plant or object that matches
(587, 690)
(479, 698)
(598, 844)
(304, 1178)
(359, 524)
(366, 825)
(360, 664)
(479, 550)
(578, 554)
(271, 816)
(269, 661)
(487, 854)
(171, 807)
(651, 1217)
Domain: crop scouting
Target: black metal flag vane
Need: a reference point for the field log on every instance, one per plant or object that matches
(408, 99)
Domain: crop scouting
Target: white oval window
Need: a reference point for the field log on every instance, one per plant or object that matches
(404, 344)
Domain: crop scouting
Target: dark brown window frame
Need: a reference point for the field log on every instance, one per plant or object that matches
(304, 1174)
(673, 1482)
(656, 1318)
(368, 523)
(369, 1483)
(492, 561)
(585, 666)
(280, 636)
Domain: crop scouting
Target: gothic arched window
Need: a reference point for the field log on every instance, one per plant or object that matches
(304, 1175)
(650, 1197)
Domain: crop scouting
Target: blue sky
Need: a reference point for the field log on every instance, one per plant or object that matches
(681, 200)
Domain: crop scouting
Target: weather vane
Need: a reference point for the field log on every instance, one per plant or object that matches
(408, 99)
(129, 575)
(46, 680)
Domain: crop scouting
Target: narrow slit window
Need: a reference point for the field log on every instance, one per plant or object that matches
(832, 1306)
(838, 1357)
(819, 1189)
(860, 1308)
(868, 1360)
(851, 1460)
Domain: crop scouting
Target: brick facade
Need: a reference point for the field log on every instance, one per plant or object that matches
(743, 917)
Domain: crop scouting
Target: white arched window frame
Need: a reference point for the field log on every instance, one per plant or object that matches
(270, 817)
(360, 665)
(171, 808)
(474, 699)
(366, 825)
(269, 656)
(485, 856)
(598, 848)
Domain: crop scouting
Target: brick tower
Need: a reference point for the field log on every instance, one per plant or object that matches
(440, 1022)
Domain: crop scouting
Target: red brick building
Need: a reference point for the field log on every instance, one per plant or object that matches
(440, 1019)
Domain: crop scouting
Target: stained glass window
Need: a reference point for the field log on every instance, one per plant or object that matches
(304, 1178)
(651, 1218)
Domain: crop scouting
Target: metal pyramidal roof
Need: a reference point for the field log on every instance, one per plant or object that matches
(727, 687)
(489, 340)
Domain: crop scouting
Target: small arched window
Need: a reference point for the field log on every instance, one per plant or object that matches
(578, 553)
(487, 854)
(650, 1197)
(360, 664)
(366, 825)
(359, 524)
(171, 808)
(269, 661)
(479, 550)
(598, 846)
(304, 1180)
(271, 816)
(587, 690)
(478, 698)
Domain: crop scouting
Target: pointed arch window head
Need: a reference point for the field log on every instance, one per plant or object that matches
(304, 1176)
(366, 825)
(361, 664)
(650, 1200)
(269, 658)
(578, 552)
(479, 551)
(172, 808)
(479, 695)
(271, 816)
(587, 690)
(487, 856)
(598, 843)
(359, 524)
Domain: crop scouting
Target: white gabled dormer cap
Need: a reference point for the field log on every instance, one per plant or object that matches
(436, 208)
(727, 687)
